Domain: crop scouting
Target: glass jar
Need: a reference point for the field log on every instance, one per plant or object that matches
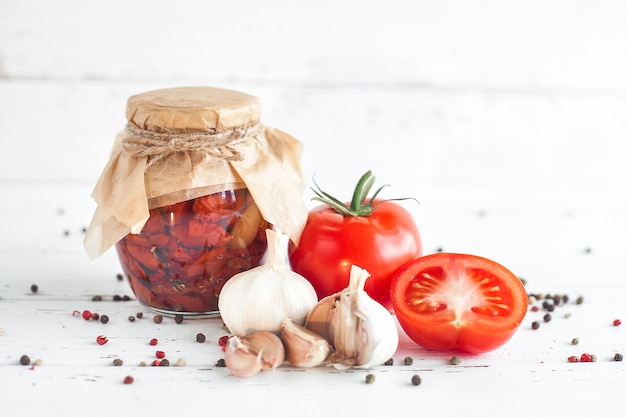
(192, 185)
(187, 251)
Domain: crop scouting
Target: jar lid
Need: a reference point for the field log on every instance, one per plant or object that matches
(192, 109)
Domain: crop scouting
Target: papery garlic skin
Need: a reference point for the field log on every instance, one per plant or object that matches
(362, 331)
(248, 355)
(261, 298)
(303, 348)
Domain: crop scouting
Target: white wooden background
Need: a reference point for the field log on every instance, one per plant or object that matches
(505, 118)
(452, 93)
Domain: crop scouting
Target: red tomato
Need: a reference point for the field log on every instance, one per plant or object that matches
(448, 301)
(380, 243)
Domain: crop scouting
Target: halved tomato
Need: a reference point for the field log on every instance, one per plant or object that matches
(449, 301)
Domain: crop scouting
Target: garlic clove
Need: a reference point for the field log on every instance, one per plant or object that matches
(360, 330)
(240, 360)
(248, 355)
(303, 348)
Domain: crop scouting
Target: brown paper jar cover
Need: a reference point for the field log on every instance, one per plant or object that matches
(182, 143)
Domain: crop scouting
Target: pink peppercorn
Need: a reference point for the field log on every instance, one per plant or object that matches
(101, 340)
(586, 357)
(572, 359)
(154, 342)
(87, 314)
(617, 322)
(128, 379)
(159, 354)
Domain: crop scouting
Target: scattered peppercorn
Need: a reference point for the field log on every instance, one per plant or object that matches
(221, 363)
(156, 362)
(86, 314)
(143, 363)
(24, 360)
(389, 362)
(117, 362)
(37, 362)
(34, 288)
(455, 360)
(128, 379)
(153, 342)
(408, 360)
(585, 357)
(547, 317)
(131, 318)
(96, 298)
(370, 378)
(117, 297)
(535, 325)
(157, 318)
(572, 359)
(575, 341)
(104, 319)
(580, 299)
(139, 315)
(617, 322)
(165, 362)
(101, 340)
(120, 277)
(126, 297)
(594, 357)
(416, 380)
(178, 318)
(180, 362)
(95, 316)
(159, 354)
(200, 338)
(534, 308)
(618, 357)
(222, 342)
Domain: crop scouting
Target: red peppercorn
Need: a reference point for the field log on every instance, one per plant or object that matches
(572, 359)
(159, 354)
(87, 314)
(586, 357)
(101, 340)
(154, 342)
(617, 322)
(222, 342)
(128, 379)
(156, 362)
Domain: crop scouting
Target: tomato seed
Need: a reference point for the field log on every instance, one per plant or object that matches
(128, 379)
(154, 342)
(416, 380)
(24, 360)
(370, 378)
(101, 340)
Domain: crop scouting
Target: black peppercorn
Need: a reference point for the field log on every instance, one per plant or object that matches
(200, 338)
(24, 360)
(178, 318)
(416, 380)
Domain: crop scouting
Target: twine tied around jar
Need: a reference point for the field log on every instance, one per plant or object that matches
(158, 145)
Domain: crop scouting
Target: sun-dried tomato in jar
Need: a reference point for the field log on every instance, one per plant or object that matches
(192, 184)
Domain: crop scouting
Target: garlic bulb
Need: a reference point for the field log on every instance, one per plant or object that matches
(263, 297)
(362, 332)
(303, 348)
(248, 355)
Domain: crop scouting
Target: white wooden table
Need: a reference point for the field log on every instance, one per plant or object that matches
(561, 243)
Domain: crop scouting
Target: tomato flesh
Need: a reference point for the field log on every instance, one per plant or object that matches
(448, 301)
